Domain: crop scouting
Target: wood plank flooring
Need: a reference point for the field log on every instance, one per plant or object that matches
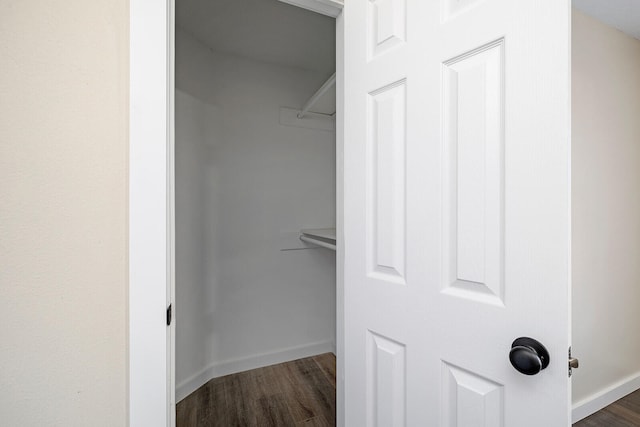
(303, 393)
(621, 413)
(297, 393)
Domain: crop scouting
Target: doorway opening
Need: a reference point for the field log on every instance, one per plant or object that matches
(255, 202)
(606, 211)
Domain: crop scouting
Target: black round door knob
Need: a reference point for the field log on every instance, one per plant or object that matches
(528, 356)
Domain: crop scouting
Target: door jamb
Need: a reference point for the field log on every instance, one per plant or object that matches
(151, 376)
(151, 212)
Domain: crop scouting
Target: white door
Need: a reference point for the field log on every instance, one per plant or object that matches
(456, 226)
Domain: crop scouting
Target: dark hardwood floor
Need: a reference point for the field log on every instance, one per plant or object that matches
(297, 393)
(303, 393)
(622, 413)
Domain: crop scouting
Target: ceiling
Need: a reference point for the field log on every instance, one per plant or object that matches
(265, 30)
(621, 14)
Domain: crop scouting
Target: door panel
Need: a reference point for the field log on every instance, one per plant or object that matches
(386, 166)
(456, 232)
(387, 380)
(473, 166)
(470, 400)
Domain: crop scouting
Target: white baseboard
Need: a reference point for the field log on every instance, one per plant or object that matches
(191, 384)
(606, 397)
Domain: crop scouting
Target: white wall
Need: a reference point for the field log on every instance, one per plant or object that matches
(242, 181)
(196, 261)
(63, 212)
(606, 210)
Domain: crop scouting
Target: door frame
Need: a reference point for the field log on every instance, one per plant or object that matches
(151, 345)
(151, 208)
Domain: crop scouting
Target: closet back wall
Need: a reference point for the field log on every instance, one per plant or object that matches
(242, 182)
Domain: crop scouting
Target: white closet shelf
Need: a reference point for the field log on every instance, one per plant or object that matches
(320, 93)
(325, 237)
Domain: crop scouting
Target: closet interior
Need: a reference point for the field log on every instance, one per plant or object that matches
(255, 172)
(255, 196)
(605, 190)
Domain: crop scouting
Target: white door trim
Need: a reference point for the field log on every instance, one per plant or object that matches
(151, 210)
(340, 184)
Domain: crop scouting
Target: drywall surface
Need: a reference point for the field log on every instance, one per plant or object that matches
(63, 212)
(195, 227)
(244, 184)
(264, 30)
(623, 15)
(606, 206)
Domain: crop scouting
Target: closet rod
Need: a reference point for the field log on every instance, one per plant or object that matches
(318, 242)
(314, 98)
